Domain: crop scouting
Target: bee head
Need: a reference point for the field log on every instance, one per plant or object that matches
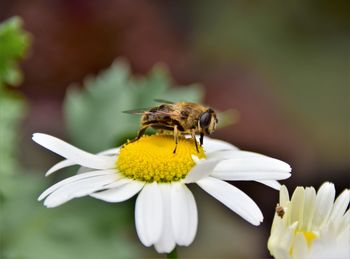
(207, 121)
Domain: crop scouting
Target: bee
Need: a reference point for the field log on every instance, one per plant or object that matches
(181, 118)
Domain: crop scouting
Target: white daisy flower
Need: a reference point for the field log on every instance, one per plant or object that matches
(311, 225)
(165, 210)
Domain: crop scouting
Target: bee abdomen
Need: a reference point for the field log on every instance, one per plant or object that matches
(162, 124)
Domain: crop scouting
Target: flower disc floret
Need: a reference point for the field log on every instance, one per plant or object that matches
(151, 158)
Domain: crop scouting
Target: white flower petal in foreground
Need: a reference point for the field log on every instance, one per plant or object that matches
(311, 225)
(165, 211)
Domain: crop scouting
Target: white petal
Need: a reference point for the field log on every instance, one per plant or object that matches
(300, 248)
(75, 178)
(233, 198)
(66, 163)
(60, 165)
(309, 208)
(297, 207)
(234, 154)
(211, 145)
(324, 203)
(252, 168)
(342, 231)
(271, 183)
(121, 181)
(74, 154)
(250, 176)
(345, 221)
(284, 196)
(121, 193)
(166, 242)
(289, 237)
(109, 152)
(149, 214)
(77, 189)
(281, 238)
(184, 214)
(226, 154)
(202, 169)
(340, 205)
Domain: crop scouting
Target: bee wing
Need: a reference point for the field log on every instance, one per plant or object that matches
(137, 111)
(163, 101)
(172, 114)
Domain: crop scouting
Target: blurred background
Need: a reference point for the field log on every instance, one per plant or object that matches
(282, 66)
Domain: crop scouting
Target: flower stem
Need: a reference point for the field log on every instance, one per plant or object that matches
(172, 254)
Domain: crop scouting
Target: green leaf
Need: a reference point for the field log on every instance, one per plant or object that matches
(14, 43)
(11, 112)
(94, 115)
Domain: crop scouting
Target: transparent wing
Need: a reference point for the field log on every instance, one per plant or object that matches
(137, 111)
(163, 101)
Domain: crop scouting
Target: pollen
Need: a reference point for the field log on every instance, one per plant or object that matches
(151, 158)
(309, 237)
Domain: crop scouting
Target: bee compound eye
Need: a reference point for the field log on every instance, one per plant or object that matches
(204, 120)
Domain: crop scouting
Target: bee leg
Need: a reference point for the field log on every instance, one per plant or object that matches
(201, 139)
(195, 140)
(139, 134)
(176, 138)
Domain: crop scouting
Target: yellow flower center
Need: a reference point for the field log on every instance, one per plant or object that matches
(309, 237)
(151, 158)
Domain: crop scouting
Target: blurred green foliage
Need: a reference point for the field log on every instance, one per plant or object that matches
(11, 112)
(14, 43)
(94, 115)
